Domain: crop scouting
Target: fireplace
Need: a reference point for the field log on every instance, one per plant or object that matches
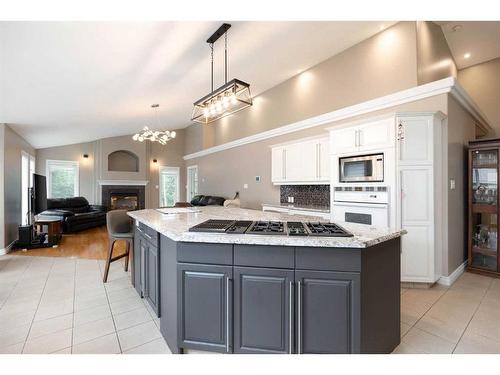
(125, 201)
(122, 197)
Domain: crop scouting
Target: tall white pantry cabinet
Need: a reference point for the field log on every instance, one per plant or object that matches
(420, 184)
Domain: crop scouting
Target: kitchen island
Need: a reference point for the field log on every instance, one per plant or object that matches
(264, 293)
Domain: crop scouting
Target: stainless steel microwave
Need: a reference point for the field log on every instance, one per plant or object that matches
(362, 168)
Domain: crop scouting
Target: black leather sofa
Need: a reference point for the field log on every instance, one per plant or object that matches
(207, 200)
(76, 213)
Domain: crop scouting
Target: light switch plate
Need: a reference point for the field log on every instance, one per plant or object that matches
(245, 186)
(452, 184)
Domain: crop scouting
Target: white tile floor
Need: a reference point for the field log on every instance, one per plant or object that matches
(461, 319)
(60, 305)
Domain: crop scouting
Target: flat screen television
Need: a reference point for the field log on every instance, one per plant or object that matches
(39, 194)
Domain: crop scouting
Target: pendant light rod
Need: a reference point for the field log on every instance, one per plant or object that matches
(212, 67)
(225, 57)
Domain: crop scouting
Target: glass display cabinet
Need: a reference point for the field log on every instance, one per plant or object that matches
(483, 206)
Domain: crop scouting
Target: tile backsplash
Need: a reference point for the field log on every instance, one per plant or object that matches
(310, 195)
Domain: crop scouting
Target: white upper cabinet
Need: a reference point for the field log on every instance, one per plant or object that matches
(304, 162)
(278, 164)
(373, 135)
(324, 159)
(343, 141)
(415, 135)
(376, 135)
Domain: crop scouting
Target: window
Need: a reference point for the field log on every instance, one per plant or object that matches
(169, 186)
(62, 179)
(27, 170)
(192, 182)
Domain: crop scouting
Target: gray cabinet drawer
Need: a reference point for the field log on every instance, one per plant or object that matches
(327, 259)
(149, 234)
(192, 252)
(264, 256)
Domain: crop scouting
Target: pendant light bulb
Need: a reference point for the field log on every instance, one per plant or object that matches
(233, 98)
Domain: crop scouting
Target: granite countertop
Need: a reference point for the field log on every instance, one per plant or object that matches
(301, 207)
(175, 226)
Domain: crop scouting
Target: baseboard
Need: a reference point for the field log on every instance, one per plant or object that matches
(449, 280)
(5, 250)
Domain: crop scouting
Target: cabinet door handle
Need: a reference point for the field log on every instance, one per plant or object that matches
(284, 165)
(290, 318)
(318, 158)
(143, 271)
(299, 317)
(228, 280)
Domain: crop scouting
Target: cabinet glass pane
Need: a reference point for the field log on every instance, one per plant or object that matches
(484, 240)
(484, 177)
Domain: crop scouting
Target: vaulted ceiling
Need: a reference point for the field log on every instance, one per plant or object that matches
(70, 82)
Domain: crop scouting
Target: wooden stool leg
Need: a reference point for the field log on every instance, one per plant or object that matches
(108, 261)
(127, 252)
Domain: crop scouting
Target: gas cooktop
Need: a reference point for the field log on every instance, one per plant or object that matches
(291, 228)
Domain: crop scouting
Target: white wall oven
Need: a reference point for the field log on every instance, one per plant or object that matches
(362, 168)
(362, 205)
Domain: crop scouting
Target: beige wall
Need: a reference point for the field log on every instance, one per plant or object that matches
(434, 58)
(225, 172)
(169, 155)
(14, 145)
(95, 167)
(482, 83)
(378, 66)
(461, 130)
(73, 152)
(2, 198)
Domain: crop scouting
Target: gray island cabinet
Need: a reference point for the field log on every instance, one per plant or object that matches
(259, 298)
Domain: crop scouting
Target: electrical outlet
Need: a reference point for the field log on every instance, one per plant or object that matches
(290, 199)
(452, 184)
(245, 186)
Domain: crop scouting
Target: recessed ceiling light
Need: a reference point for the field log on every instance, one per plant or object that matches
(467, 55)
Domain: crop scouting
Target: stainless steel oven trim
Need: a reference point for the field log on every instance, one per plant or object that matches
(378, 172)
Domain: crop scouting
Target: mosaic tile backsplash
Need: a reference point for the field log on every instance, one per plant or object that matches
(310, 195)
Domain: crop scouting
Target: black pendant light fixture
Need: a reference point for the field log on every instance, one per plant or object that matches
(231, 97)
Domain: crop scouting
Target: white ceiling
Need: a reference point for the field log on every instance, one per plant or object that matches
(480, 39)
(70, 82)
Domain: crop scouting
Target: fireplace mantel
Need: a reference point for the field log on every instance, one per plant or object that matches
(123, 182)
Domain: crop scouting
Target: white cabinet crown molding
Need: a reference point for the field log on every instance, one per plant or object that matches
(442, 86)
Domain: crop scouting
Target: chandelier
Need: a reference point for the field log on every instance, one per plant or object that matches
(154, 135)
(231, 97)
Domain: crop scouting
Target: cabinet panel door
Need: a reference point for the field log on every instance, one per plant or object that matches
(137, 261)
(328, 312)
(376, 135)
(293, 162)
(309, 160)
(416, 144)
(324, 159)
(263, 310)
(277, 164)
(417, 246)
(204, 307)
(343, 140)
(152, 279)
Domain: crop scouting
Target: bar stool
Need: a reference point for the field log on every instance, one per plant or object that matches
(120, 227)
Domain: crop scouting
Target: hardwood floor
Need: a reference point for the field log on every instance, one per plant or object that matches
(89, 244)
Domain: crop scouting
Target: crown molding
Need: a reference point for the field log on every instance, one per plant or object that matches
(123, 182)
(442, 86)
